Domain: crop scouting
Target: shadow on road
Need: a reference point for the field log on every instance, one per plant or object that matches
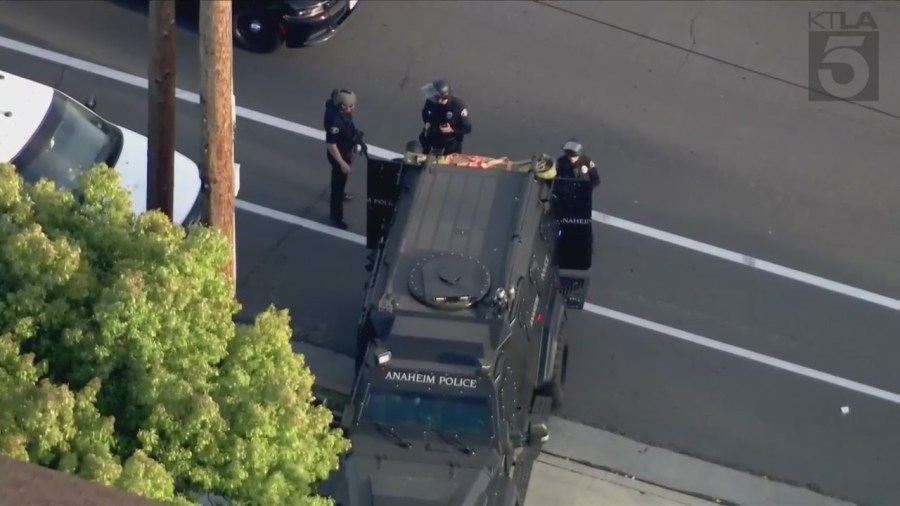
(187, 14)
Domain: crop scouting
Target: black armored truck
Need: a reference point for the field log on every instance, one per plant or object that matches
(462, 343)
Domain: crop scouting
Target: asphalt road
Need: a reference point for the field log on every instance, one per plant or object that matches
(690, 145)
(693, 146)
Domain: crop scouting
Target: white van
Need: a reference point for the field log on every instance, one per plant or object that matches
(48, 134)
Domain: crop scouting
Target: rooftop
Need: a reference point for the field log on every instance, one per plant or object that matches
(24, 484)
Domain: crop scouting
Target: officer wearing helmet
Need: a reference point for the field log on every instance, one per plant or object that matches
(445, 120)
(575, 164)
(341, 140)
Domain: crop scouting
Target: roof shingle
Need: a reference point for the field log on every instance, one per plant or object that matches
(24, 484)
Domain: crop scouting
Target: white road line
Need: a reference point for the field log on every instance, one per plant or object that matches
(623, 317)
(753, 263)
(290, 126)
(300, 222)
(744, 353)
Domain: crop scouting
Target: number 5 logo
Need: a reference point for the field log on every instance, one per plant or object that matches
(844, 66)
(844, 50)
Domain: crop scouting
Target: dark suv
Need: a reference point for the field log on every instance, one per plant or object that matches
(265, 25)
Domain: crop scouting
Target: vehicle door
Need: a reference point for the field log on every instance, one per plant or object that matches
(511, 400)
(532, 312)
(504, 407)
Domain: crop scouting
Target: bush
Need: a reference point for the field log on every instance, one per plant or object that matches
(120, 361)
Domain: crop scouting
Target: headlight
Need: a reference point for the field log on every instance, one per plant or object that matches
(309, 9)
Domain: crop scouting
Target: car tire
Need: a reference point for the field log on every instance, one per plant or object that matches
(256, 31)
(558, 384)
(560, 367)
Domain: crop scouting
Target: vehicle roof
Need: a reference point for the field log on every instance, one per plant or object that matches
(468, 212)
(475, 215)
(425, 341)
(23, 106)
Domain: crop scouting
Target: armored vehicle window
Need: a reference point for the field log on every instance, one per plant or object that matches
(456, 414)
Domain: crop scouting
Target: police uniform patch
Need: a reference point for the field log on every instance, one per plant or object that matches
(592, 164)
(334, 130)
(584, 169)
(464, 113)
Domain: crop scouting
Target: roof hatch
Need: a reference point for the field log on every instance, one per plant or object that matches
(449, 280)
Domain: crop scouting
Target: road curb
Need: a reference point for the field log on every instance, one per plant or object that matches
(562, 481)
(672, 470)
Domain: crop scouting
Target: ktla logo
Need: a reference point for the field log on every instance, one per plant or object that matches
(843, 57)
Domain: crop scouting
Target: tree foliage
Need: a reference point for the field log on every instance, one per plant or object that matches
(120, 361)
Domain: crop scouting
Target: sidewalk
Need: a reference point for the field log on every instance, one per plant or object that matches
(556, 481)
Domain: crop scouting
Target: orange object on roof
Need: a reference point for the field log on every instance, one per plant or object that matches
(475, 161)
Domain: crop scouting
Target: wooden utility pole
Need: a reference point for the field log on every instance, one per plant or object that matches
(217, 160)
(161, 105)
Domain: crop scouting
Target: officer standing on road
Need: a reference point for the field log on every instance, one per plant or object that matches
(445, 118)
(341, 139)
(575, 164)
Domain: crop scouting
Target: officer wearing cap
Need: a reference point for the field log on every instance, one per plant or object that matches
(341, 140)
(446, 120)
(575, 164)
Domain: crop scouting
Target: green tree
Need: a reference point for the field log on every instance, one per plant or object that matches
(120, 361)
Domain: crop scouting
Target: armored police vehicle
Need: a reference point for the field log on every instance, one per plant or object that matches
(462, 337)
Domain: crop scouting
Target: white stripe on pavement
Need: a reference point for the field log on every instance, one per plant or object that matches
(300, 222)
(744, 353)
(753, 263)
(623, 317)
(290, 126)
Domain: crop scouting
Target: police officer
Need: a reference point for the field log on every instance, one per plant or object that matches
(341, 141)
(575, 164)
(446, 121)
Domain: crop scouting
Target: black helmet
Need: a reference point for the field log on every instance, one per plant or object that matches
(573, 147)
(442, 87)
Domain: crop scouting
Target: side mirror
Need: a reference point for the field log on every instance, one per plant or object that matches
(516, 439)
(90, 102)
(539, 433)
